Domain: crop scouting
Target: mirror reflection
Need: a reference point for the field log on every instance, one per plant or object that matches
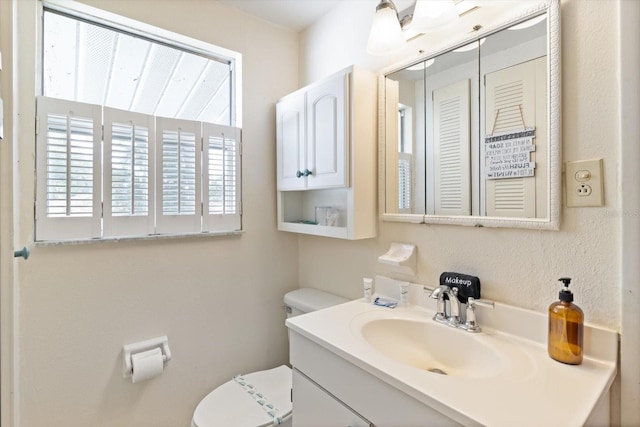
(513, 64)
(466, 132)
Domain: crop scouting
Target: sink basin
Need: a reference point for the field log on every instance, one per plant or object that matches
(432, 347)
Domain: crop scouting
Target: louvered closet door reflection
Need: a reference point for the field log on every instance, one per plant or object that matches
(515, 99)
(451, 149)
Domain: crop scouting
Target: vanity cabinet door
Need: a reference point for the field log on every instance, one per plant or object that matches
(315, 407)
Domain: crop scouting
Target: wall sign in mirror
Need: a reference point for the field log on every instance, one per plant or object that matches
(470, 135)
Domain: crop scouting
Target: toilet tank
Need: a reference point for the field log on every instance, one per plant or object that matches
(304, 300)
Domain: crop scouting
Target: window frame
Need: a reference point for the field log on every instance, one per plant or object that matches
(115, 22)
(135, 28)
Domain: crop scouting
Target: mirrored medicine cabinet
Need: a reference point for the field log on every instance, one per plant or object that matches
(471, 135)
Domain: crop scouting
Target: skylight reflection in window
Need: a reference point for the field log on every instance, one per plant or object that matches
(89, 63)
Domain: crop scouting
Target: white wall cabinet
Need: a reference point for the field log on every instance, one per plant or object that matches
(326, 157)
(312, 137)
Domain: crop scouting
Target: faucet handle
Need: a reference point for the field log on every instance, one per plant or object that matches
(471, 323)
(481, 302)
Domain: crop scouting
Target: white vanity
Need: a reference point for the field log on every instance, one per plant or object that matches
(358, 364)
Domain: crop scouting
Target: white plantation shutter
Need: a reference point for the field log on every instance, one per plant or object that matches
(221, 178)
(129, 173)
(146, 175)
(452, 149)
(178, 176)
(68, 163)
(404, 182)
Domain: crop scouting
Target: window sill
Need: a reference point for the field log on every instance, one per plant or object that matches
(138, 238)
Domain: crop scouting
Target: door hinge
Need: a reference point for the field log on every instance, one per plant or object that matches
(37, 124)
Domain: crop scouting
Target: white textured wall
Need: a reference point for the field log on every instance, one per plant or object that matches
(218, 299)
(518, 267)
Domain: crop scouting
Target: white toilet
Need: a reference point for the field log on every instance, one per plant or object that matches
(260, 398)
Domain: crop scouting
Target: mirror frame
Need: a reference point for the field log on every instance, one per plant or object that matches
(554, 154)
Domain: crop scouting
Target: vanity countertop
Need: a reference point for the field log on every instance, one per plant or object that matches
(531, 389)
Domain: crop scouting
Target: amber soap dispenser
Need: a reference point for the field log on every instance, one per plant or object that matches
(566, 325)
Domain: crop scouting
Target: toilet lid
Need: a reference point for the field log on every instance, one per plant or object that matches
(251, 400)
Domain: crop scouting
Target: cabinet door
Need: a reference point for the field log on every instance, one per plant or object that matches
(290, 130)
(314, 407)
(327, 138)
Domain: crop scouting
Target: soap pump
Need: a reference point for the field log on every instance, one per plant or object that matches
(566, 322)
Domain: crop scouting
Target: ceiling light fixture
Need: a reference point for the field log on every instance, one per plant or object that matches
(433, 15)
(428, 16)
(386, 33)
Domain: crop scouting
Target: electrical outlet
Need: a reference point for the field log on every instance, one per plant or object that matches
(584, 183)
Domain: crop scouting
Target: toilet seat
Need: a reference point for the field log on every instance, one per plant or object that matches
(236, 403)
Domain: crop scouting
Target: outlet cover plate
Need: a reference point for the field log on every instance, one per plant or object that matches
(584, 183)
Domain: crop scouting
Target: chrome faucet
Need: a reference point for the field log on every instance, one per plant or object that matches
(441, 309)
(469, 323)
(453, 318)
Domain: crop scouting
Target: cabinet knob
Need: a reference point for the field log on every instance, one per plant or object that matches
(298, 174)
(307, 172)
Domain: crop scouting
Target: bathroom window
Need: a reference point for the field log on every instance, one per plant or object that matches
(136, 134)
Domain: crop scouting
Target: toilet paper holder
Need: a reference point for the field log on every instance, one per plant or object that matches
(138, 347)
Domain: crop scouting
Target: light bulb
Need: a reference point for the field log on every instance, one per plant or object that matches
(433, 15)
(386, 35)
